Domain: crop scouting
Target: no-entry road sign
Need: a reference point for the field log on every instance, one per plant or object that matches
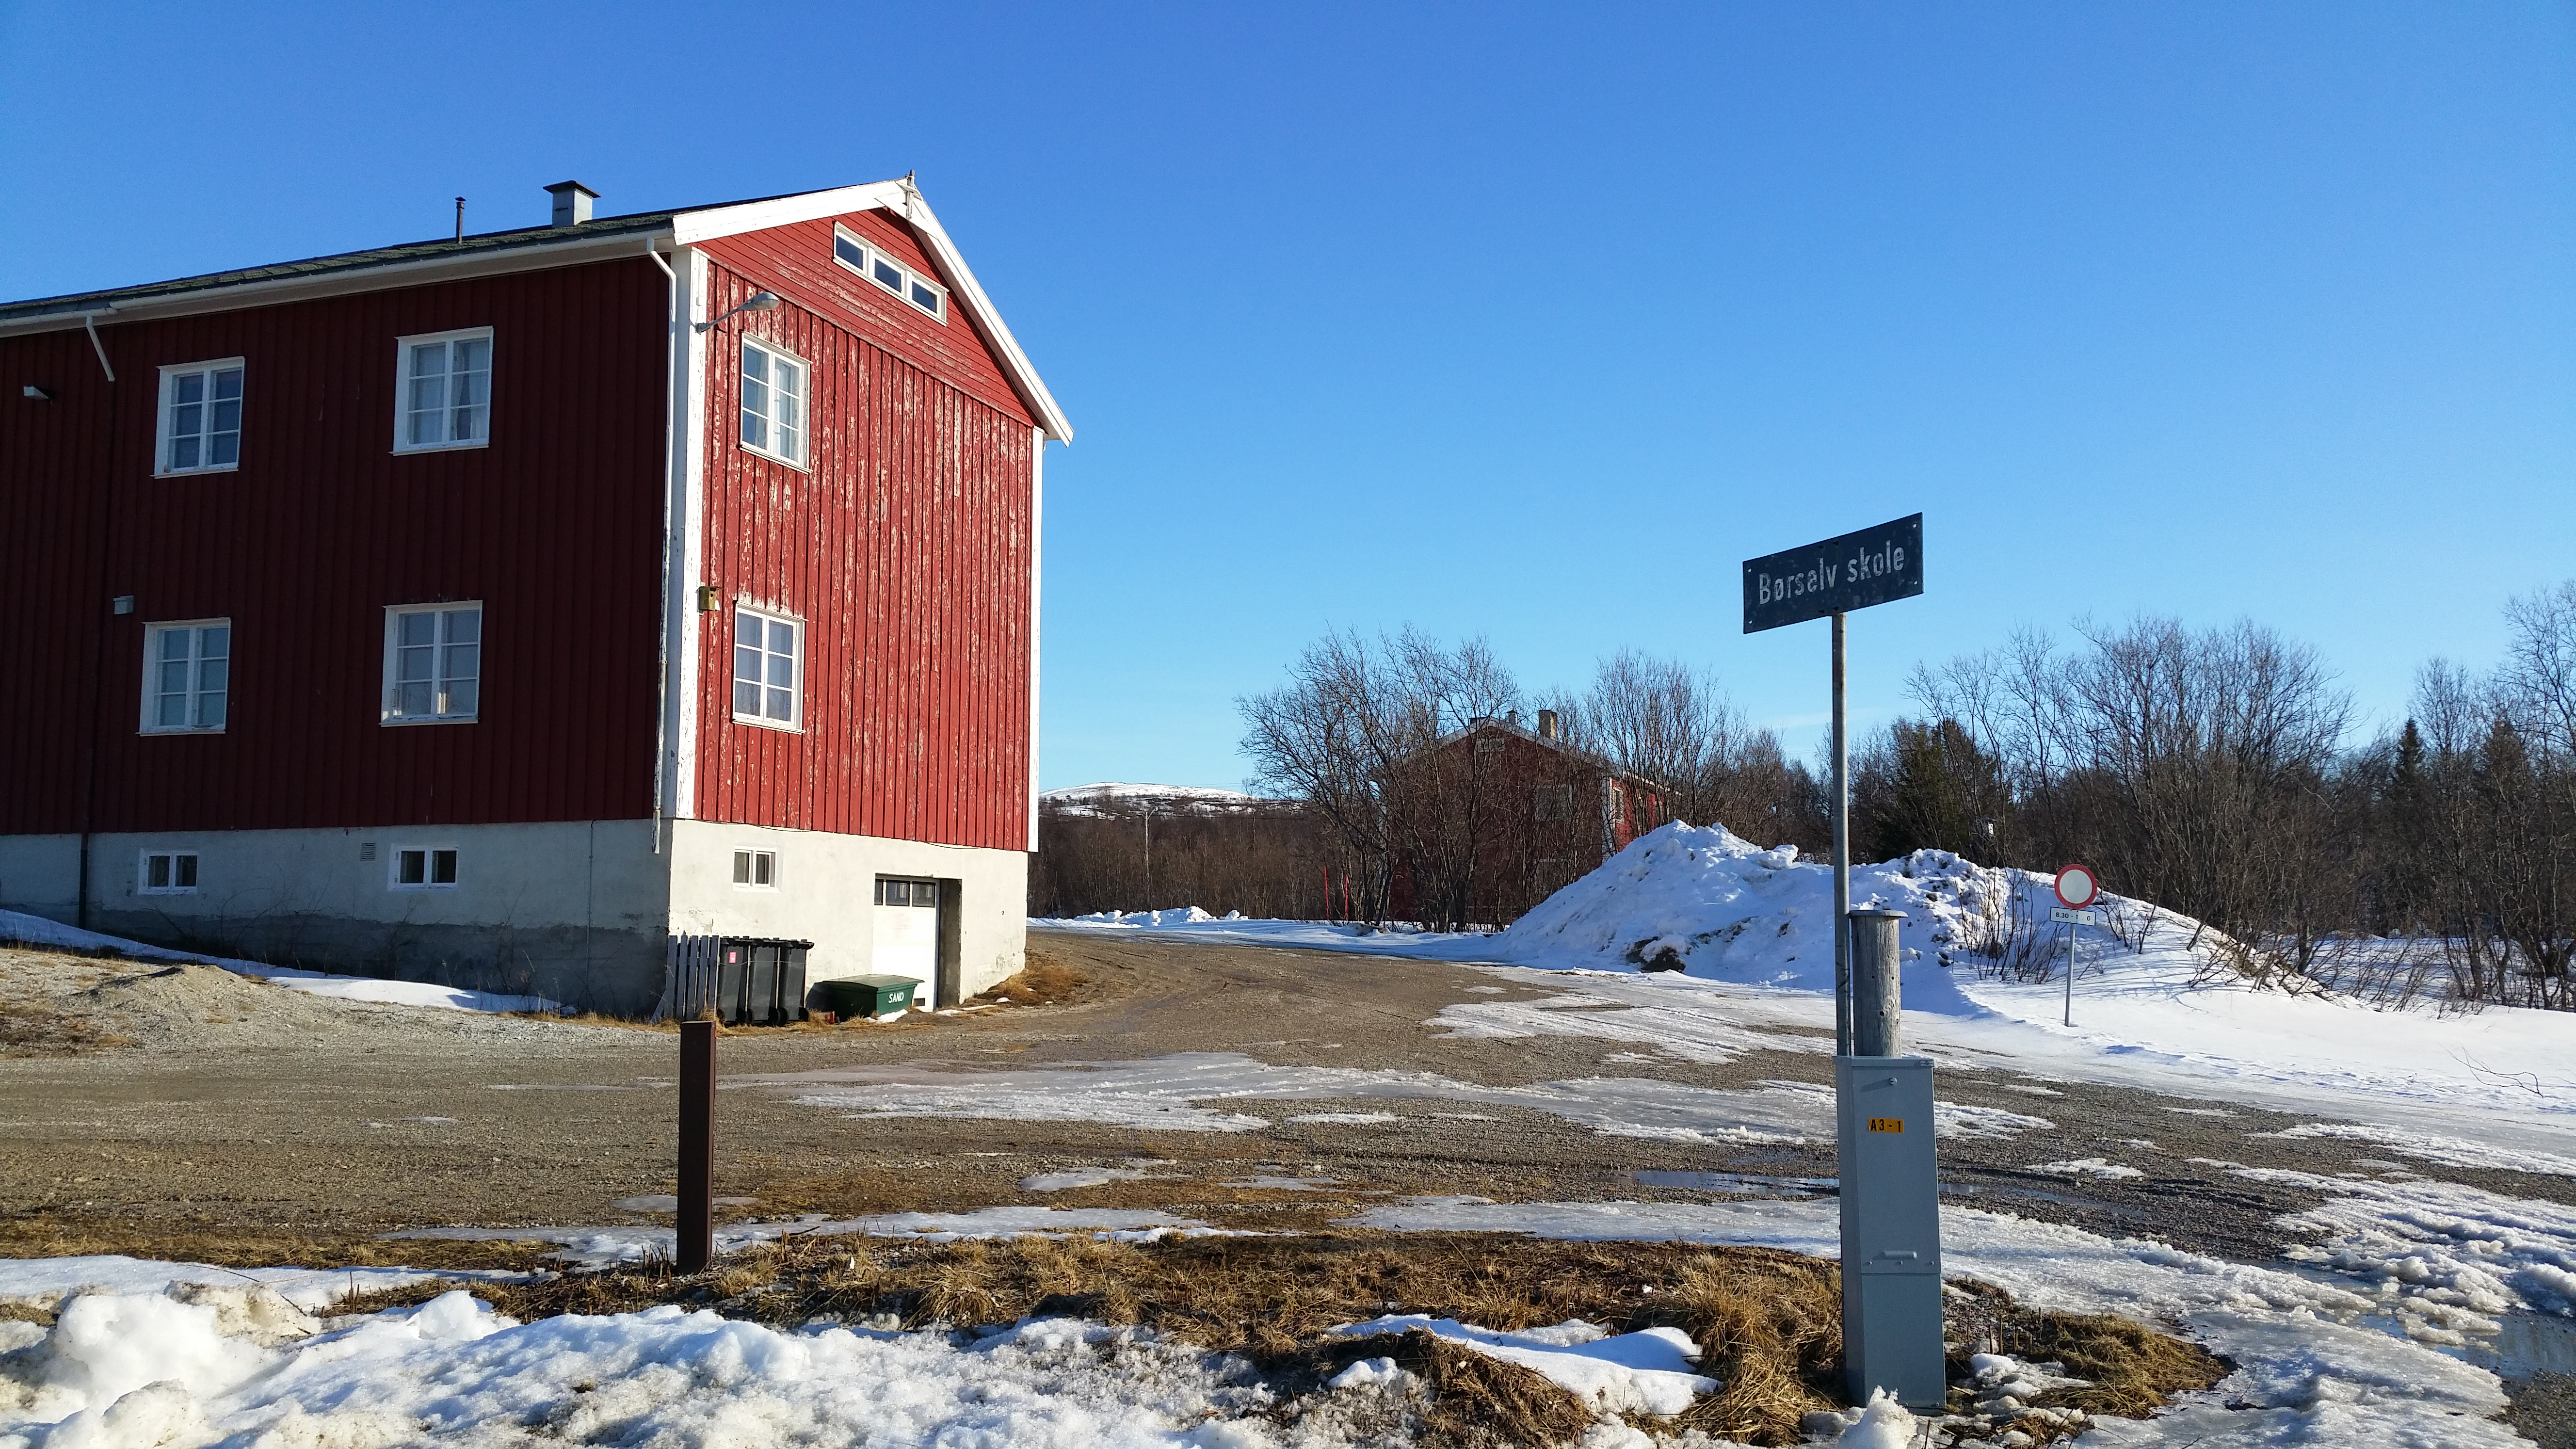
(1874, 566)
(2076, 886)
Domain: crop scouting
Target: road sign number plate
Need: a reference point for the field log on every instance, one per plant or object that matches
(2063, 916)
(1886, 1124)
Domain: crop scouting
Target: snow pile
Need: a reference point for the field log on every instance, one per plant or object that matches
(17, 926)
(126, 1370)
(1153, 920)
(1629, 1373)
(1713, 904)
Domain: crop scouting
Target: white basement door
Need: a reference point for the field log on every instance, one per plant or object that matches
(907, 934)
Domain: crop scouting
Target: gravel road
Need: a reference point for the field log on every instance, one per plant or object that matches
(245, 1107)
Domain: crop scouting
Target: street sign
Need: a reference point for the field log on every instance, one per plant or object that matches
(2076, 887)
(2064, 917)
(1874, 566)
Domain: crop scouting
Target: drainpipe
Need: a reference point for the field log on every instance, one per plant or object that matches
(98, 641)
(671, 469)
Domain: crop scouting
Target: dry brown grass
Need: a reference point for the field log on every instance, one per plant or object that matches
(1768, 1322)
(235, 1247)
(38, 1029)
(2133, 1368)
(1043, 981)
(1769, 1326)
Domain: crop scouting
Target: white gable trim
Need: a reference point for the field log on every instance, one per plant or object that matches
(903, 200)
(691, 227)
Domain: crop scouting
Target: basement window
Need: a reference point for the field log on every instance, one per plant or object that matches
(167, 873)
(755, 870)
(871, 262)
(201, 409)
(423, 868)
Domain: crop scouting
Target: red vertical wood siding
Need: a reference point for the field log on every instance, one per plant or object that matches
(906, 549)
(556, 526)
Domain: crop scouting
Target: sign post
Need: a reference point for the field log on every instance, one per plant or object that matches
(2076, 890)
(1828, 580)
(1891, 1194)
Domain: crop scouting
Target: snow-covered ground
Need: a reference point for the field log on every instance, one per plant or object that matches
(38, 931)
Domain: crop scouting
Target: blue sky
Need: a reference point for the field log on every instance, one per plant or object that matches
(1533, 322)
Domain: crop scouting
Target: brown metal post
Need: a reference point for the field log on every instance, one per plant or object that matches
(697, 1145)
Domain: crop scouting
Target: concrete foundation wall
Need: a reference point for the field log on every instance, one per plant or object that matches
(572, 910)
(40, 875)
(826, 894)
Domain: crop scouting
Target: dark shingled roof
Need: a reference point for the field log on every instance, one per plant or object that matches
(497, 241)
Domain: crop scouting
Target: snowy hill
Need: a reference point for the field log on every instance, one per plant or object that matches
(1120, 795)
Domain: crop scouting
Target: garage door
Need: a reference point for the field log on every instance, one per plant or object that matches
(907, 932)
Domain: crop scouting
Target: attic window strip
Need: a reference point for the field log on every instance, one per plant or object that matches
(872, 263)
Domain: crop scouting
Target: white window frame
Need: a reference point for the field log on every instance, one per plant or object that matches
(152, 636)
(919, 893)
(162, 466)
(795, 723)
(402, 389)
(389, 702)
(769, 421)
(748, 862)
(143, 885)
(875, 256)
(428, 851)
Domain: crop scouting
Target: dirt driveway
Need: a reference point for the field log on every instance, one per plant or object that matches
(247, 1114)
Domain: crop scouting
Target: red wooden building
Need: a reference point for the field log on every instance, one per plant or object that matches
(491, 610)
(1496, 818)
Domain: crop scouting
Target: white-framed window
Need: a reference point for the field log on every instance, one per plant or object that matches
(891, 892)
(166, 873)
(422, 868)
(870, 261)
(433, 663)
(773, 402)
(201, 411)
(768, 658)
(755, 870)
(444, 396)
(187, 676)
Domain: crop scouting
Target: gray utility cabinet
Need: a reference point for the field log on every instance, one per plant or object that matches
(1891, 1209)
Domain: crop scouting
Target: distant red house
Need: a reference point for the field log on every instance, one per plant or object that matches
(1496, 818)
(491, 609)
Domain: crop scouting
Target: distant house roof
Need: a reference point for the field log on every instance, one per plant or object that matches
(528, 248)
(1559, 744)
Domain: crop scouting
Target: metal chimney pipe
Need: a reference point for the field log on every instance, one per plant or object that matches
(572, 202)
(1877, 1026)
